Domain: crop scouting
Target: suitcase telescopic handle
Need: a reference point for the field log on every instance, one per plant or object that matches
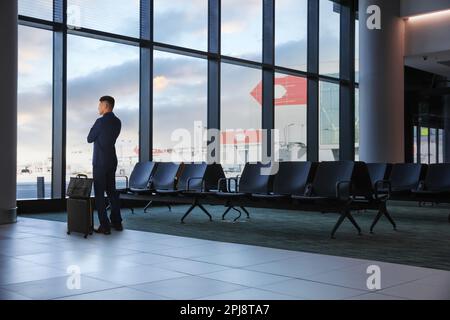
(82, 176)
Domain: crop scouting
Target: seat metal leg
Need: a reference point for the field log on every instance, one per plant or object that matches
(147, 206)
(375, 221)
(226, 212)
(246, 212)
(169, 206)
(188, 212)
(132, 210)
(338, 224)
(204, 210)
(388, 216)
(239, 216)
(353, 221)
(383, 211)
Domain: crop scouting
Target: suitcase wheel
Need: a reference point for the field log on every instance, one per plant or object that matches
(85, 236)
(68, 232)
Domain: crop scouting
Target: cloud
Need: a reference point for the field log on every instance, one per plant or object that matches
(180, 83)
(35, 47)
(233, 26)
(160, 83)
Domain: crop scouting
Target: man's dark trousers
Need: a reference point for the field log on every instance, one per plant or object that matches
(105, 181)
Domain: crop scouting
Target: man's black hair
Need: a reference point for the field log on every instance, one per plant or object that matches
(110, 100)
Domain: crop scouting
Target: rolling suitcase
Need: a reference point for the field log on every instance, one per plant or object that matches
(80, 217)
(80, 212)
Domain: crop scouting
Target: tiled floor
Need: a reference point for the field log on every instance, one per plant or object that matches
(35, 256)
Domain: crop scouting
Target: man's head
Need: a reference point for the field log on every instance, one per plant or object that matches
(106, 105)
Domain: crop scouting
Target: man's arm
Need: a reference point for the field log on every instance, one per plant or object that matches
(95, 132)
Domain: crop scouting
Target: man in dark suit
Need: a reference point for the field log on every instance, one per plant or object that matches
(104, 134)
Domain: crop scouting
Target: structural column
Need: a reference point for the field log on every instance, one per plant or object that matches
(8, 110)
(446, 135)
(381, 82)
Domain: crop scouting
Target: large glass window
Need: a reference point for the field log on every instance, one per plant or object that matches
(240, 117)
(328, 121)
(433, 146)
(120, 17)
(424, 145)
(179, 108)
(416, 135)
(96, 68)
(182, 23)
(329, 38)
(242, 29)
(41, 9)
(291, 116)
(180, 83)
(357, 127)
(34, 146)
(357, 50)
(291, 29)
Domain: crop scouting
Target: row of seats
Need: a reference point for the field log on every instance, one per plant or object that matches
(340, 187)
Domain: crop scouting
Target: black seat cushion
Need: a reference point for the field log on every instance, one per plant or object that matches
(438, 178)
(214, 173)
(189, 171)
(164, 176)
(292, 178)
(328, 175)
(405, 177)
(140, 177)
(378, 171)
(254, 179)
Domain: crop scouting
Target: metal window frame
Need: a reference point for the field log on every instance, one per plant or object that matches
(146, 81)
(214, 58)
(59, 103)
(347, 87)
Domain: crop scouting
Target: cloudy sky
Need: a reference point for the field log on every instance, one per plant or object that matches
(97, 68)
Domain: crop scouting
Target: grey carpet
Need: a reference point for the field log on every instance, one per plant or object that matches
(422, 239)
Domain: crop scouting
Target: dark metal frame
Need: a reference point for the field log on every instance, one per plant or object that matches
(214, 59)
(59, 100)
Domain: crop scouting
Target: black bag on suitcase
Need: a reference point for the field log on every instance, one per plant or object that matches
(80, 212)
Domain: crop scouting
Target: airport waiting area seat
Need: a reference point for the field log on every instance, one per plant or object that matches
(251, 182)
(378, 172)
(292, 178)
(201, 184)
(330, 191)
(371, 191)
(404, 178)
(163, 179)
(191, 181)
(328, 187)
(435, 187)
(139, 179)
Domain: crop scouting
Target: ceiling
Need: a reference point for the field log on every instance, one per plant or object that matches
(437, 63)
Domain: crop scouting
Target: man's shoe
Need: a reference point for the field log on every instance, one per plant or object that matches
(117, 226)
(102, 230)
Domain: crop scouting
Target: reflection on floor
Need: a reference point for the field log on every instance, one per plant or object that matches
(36, 255)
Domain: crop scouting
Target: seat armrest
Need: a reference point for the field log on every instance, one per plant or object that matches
(382, 185)
(203, 186)
(308, 190)
(228, 184)
(127, 181)
(420, 187)
(344, 190)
